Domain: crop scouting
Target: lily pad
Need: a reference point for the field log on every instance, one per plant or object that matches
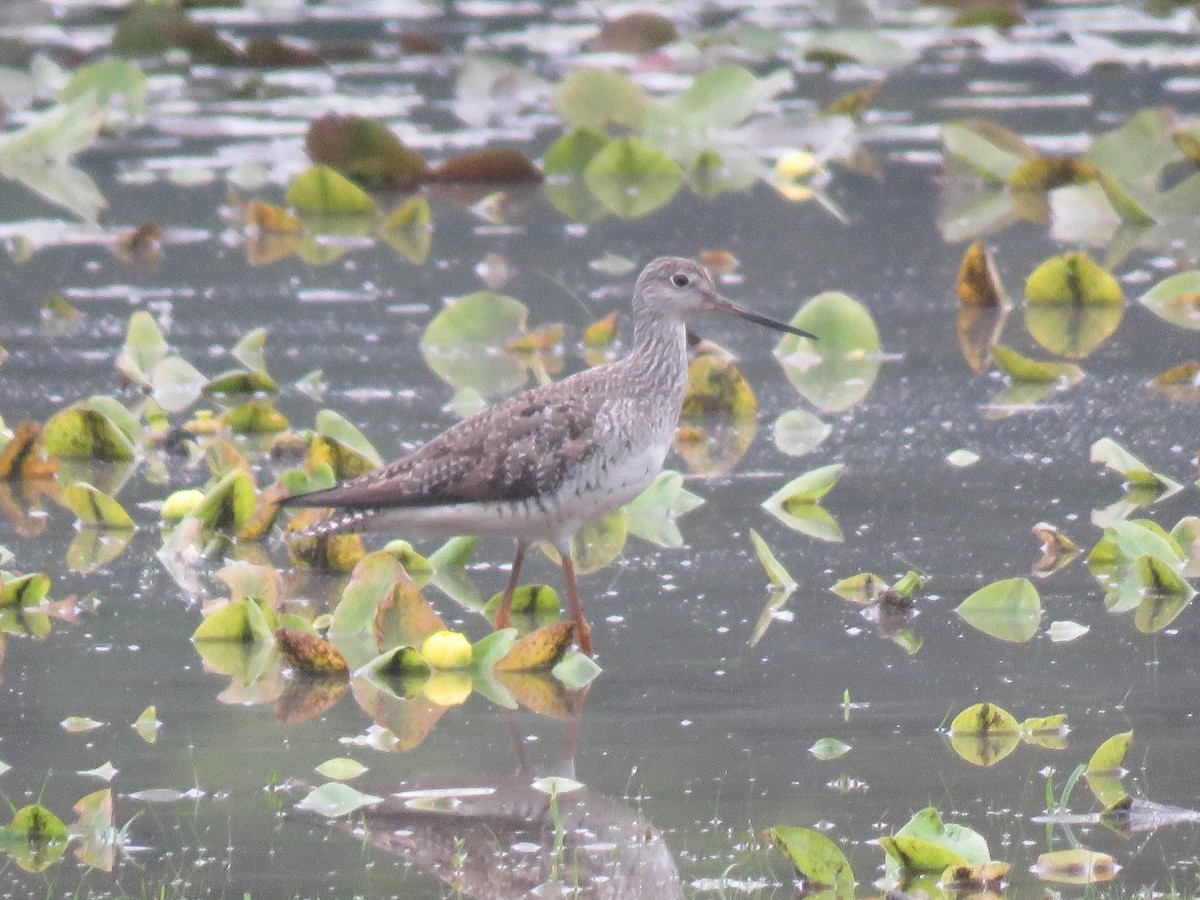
(978, 282)
(836, 371)
(1009, 610)
(97, 428)
(652, 514)
(322, 191)
(798, 432)
(1022, 369)
(925, 844)
(176, 384)
(1176, 299)
(334, 799)
(1072, 279)
(144, 348)
(778, 575)
(1136, 473)
(540, 649)
(633, 178)
(364, 150)
(239, 621)
(228, 504)
(408, 229)
(598, 98)
(818, 859)
(463, 343)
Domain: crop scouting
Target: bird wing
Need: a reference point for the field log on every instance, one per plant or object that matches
(521, 448)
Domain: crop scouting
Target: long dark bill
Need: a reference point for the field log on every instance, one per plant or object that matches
(751, 316)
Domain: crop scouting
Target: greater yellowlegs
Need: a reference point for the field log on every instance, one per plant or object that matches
(538, 466)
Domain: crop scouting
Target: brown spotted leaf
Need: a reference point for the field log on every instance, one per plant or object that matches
(310, 654)
(978, 283)
(637, 32)
(366, 151)
(539, 649)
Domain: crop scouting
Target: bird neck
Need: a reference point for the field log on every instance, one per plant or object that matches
(660, 355)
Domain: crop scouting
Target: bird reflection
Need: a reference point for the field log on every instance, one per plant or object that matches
(499, 836)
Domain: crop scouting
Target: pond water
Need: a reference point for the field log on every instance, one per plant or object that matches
(693, 739)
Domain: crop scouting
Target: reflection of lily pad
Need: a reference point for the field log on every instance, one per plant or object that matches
(1072, 331)
(718, 419)
(464, 343)
(837, 370)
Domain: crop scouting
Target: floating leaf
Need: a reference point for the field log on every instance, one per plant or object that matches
(80, 724)
(984, 734)
(341, 769)
(104, 772)
(340, 429)
(536, 601)
(398, 662)
(798, 432)
(228, 504)
(962, 458)
(652, 514)
(460, 343)
(636, 32)
(310, 654)
(496, 165)
(23, 591)
(836, 371)
(810, 519)
(829, 748)
(818, 859)
(334, 799)
(94, 507)
(1176, 299)
(925, 844)
(448, 687)
(540, 649)
(1022, 369)
(321, 190)
(176, 384)
(97, 428)
(1062, 631)
(778, 575)
(576, 670)
(978, 283)
(239, 621)
(598, 98)
(241, 381)
(1009, 610)
(833, 46)
(1110, 755)
(408, 229)
(1078, 866)
(35, 823)
(1072, 279)
(365, 150)
(116, 86)
(254, 417)
(865, 588)
(24, 454)
(147, 724)
(633, 178)
(989, 149)
(371, 584)
(598, 542)
(1136, 473)
(807, 488)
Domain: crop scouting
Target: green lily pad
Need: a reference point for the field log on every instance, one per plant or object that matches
(371, 583)
(652, 514)
(829, 748)
(334, 799)
(836, 371)
(798, 431)
(341, 768)
(778, 575)
(398, 662)
(1136, 473)
(1176, 299)
(1072, 279)
(176, 384)
(116, 86)
(818, 859)
(241, 381)
(1023, 369)
(720, 97)
(633, 178)
(570, 155)
(97, 428)
(239, 621)
(36, 823)
(598, 98)
(990, 150)
(144, 348)
(321, 190)
(984, 718)
(807, 488)
(599, 542)
(925, 844)
(1109, 756)
(984, 734)
(23, 591)
(462, 341)
(534, 600)
(576, 670)
(228, 504)
(340, 429)
(95, 508)
(255, 417)
(1009, 610)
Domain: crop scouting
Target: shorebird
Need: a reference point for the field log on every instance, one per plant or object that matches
(541, 464)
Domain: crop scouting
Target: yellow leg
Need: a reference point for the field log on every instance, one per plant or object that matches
(583, 631)
(504, 614)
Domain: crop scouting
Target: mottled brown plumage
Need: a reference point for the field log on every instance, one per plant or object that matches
(539, 465)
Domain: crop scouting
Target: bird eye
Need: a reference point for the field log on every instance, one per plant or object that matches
(679, 280)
